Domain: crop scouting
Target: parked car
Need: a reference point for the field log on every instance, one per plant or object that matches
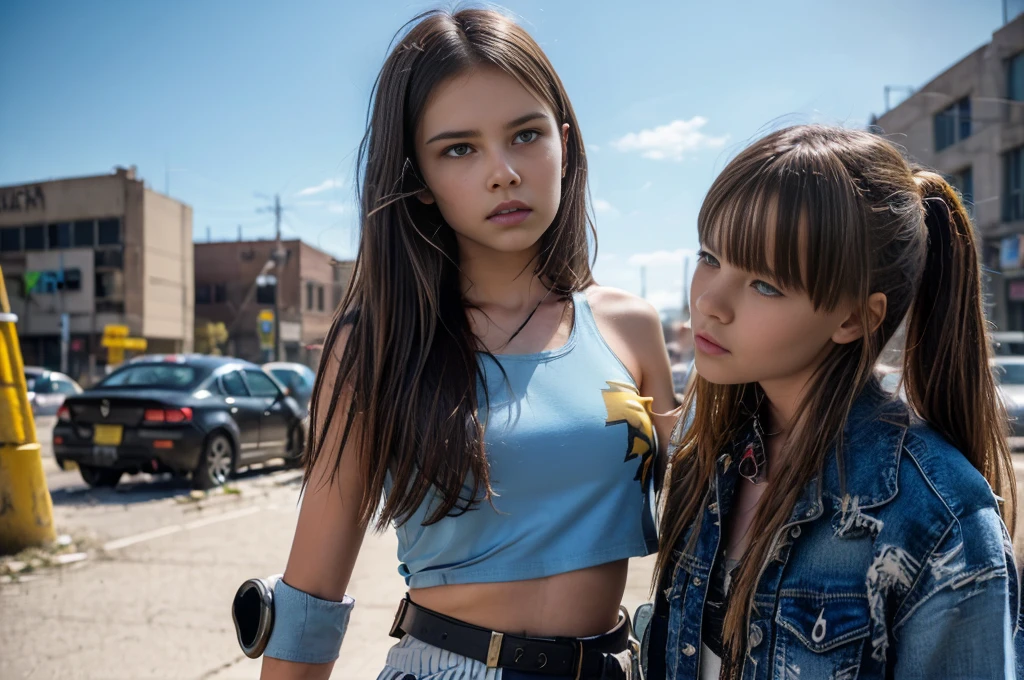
(47, 389)
(201, 415)
(1009, 374)
(297, 378)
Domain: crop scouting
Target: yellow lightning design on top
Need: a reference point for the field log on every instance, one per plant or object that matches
(625, 405)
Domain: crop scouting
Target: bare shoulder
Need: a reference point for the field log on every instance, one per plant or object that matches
(621, 309)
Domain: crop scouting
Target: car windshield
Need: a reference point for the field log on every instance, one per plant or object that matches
(30, 381)
(294, 378)
(164, 376)
(1009, 374)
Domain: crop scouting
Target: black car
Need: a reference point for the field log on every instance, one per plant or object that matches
(202, 415)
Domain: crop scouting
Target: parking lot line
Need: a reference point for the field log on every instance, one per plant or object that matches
(175, 528)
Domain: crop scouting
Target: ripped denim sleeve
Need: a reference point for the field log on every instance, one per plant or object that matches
(959, 618)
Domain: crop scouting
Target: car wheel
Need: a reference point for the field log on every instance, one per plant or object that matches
(215, 464)
(97, 477)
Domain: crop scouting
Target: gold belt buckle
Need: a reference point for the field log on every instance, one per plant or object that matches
(494, 649)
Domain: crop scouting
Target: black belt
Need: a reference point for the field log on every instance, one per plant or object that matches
(573, 657)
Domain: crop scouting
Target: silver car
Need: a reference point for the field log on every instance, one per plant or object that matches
(47, 390)
(1009, 374)
(297, 378)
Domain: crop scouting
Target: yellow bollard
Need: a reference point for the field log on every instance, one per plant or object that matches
(26, 510)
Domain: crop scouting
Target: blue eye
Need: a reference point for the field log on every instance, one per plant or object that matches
(707, 258)
(766, 289)
(457, 151)
(531, 134)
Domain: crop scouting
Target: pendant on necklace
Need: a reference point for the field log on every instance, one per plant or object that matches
(754, 462)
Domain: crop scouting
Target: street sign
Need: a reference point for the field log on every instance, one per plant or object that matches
(116, 340)
(265, 328)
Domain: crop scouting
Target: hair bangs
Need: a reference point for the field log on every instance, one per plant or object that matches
(781, 218)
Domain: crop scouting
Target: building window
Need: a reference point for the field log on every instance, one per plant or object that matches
(266, 292)
(109, 285)
(10, 240)
(202, 294)
(1013, 184)
(963, 181)
(109, 232)
(60, 235)
(320, 298)
(110, 307)
(35, 237)
(220, 293)
(85, 234)
(953, 124)
(108, 257)
(72, 280)
(309, 295)
(1015, 78)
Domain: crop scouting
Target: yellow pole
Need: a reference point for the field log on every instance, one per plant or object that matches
(26, 510)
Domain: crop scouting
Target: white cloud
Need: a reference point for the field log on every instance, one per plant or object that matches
(604, 207)
(672, 141)
(664, 299)
(660, 258)
(326, 185)
(663, 269)
(647, 185)
(339, 208)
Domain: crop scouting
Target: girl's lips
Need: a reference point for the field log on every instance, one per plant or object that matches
(511, 219)
(706, 345)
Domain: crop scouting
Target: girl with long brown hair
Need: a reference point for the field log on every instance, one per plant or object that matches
(478, 381)
(815, 525)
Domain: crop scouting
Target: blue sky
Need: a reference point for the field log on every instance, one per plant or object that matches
(223, 100)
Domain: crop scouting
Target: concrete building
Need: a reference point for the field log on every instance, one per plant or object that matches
(968, 123)
(105, 250)
(227, 291)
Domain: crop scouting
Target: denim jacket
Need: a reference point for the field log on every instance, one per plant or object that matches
(909, 574)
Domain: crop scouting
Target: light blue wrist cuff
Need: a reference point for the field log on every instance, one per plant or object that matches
(306, 628)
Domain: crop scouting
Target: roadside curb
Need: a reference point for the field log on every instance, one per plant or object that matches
(32, 563)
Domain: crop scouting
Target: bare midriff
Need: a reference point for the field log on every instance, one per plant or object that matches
(579, 603)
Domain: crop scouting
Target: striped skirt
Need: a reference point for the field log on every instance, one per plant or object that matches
(411, 659)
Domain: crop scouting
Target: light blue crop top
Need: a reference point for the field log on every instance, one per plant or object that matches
(572, 454)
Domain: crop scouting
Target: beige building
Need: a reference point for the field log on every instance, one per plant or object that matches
(227, 291)
(968, 123)
(105, 250)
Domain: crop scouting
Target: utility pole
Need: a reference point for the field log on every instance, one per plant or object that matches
(65, 322)
(277, 257)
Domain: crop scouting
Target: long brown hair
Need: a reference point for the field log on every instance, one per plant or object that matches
(848, 217)
(409, 363)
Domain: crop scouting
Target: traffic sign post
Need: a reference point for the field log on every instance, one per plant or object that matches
(116, 340)
(265, 327)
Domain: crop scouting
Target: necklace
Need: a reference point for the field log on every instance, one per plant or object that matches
(523, 324)
(754, 459)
